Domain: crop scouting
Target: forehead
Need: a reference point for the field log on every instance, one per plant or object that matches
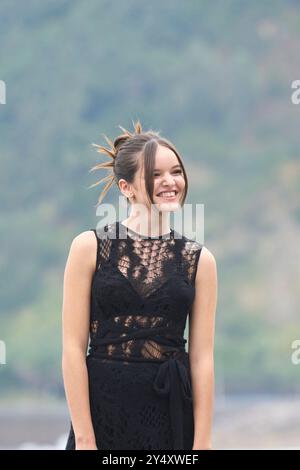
(165, 158)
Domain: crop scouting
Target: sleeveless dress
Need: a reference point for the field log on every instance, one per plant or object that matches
(140, 387)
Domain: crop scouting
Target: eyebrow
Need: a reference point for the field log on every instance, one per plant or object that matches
(175, 166)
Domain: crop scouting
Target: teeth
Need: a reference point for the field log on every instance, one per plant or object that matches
(167, 194)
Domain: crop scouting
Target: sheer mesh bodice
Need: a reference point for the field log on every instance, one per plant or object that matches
(142, 292)
(139, 372)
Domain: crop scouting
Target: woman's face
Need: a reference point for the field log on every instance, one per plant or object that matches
(168, 180)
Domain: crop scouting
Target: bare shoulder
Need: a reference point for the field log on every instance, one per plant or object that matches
(84, 240)
(84, 243)
(207, 265)
(83, 249)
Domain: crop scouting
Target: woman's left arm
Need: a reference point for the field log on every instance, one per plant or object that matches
(201, 348)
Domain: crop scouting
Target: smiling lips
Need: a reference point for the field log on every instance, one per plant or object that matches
(169, 195)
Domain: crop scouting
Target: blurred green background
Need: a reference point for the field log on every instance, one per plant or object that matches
(214, 78)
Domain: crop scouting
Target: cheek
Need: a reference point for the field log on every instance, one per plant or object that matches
(181, 182)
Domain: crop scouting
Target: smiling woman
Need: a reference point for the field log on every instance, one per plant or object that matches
(129, 287)
(146, 168)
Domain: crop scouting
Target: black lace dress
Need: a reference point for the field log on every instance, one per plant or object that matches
(139, 372)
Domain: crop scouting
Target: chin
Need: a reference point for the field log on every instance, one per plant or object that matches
(167, 206)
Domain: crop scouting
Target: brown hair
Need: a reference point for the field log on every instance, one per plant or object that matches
(127, 152)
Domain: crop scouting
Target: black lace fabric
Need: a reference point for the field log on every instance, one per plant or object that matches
(139, 371)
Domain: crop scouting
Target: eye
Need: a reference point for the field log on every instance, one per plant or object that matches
(176, 172)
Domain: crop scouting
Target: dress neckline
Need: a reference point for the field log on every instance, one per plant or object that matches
(134, 234)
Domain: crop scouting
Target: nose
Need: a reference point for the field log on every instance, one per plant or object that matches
(168, 180)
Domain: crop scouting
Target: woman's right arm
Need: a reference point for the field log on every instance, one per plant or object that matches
(79, 270)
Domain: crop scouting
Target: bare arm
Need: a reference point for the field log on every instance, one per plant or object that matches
(201, 348)
(79, 270)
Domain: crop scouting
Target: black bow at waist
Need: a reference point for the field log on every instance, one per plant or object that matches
(172, 379)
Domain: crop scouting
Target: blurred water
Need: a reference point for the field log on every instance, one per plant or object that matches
(60, 444)
(240, 422)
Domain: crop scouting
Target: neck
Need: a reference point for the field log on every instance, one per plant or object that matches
(148, 225)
